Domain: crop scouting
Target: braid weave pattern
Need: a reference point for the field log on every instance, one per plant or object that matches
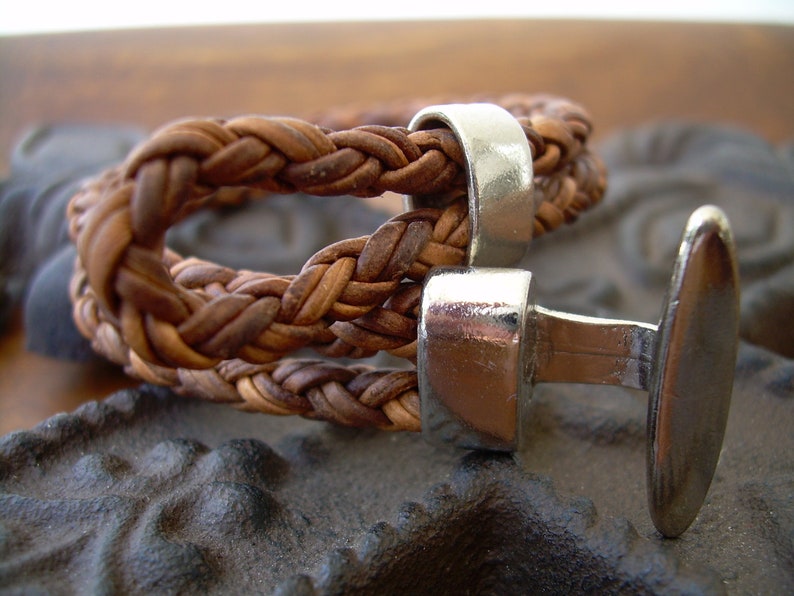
(220, 334)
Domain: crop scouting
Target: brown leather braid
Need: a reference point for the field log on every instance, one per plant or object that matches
(220, 334)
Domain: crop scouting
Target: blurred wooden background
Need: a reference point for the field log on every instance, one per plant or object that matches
(625, 73)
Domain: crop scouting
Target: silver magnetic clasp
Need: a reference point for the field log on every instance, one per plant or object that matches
(483, 343)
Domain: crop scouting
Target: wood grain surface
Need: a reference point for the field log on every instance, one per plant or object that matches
(625, 73)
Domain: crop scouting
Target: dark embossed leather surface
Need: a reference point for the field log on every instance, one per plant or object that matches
(146, 491)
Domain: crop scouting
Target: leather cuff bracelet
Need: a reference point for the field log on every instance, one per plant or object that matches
(220, 334)
(481, 182)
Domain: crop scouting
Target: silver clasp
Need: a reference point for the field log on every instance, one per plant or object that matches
(484, 343)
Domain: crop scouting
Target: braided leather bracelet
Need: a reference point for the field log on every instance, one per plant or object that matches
(212, 332)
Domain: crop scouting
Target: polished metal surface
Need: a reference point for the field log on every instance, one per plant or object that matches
(483, 343)
(690, 390)
(500, 179)
(472, 356)
(578, 349)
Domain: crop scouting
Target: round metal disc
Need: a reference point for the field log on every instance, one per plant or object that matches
(690, 389)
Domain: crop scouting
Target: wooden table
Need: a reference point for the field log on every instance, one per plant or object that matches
(626, 73)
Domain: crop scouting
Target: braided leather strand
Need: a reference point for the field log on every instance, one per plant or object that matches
(220, 334)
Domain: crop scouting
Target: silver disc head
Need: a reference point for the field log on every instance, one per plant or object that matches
(690, 388)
